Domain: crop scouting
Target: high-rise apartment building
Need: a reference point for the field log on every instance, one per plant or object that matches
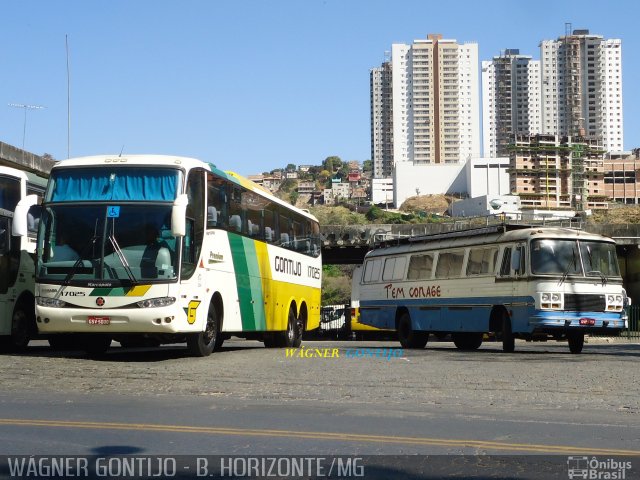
(511, 100)
(381, 121)
(434, 111)
(581, 80)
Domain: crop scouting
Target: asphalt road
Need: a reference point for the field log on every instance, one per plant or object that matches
(357, 398)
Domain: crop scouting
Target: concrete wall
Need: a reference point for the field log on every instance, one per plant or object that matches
(11, 156)
(428, 180)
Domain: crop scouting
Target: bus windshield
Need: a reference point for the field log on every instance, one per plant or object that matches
(574, 258)
(127, 243)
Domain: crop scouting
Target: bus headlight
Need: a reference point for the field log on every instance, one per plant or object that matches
(615, 303)
(50, 302)
(551, 301)
(156, 302)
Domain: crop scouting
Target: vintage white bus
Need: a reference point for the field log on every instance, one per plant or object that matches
(531, 283)
(166, 249)
(17, 264)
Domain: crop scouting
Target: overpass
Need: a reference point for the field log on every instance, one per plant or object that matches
(11, 156)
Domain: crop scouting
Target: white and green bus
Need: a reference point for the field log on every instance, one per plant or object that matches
(17, 258)
(165, 249)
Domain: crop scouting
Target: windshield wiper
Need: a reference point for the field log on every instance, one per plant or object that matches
(566, 272)
(78, 263)
(600, 274)
(123, 259)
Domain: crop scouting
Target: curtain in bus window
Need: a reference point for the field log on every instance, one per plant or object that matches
(420, 267)
(449, 264)
(121, 185)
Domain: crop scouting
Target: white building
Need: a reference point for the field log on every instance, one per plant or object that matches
(434, 113)
(423, 179)
(511, 100)
(382, 191)
(487, 176)
(582, 87)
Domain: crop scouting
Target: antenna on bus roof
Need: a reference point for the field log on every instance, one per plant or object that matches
(121, 150)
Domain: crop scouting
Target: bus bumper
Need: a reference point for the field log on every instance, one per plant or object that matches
(169, 319)
(594, 322)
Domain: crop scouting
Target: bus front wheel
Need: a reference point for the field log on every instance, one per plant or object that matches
(508, 340)
(467, 341)
(410, 338)
(576, 341)
(22, 326)
(202, 344)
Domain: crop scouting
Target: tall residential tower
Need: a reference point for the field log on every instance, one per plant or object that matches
(434, 111)
(511, 100)
(581, 78)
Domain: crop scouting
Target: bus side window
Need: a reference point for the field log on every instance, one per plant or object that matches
(518, 261)
(505, 267)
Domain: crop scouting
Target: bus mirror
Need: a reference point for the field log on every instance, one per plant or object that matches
(21, 215)
(178, 216)
(515, 261)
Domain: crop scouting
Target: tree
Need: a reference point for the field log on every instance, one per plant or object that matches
(367, 166)
(291, 167)
(332, 163)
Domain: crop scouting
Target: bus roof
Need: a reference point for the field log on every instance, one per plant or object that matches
(186, 163)
(482, 236)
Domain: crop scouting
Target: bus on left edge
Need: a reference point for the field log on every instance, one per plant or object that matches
(17, 257)
(152, 249)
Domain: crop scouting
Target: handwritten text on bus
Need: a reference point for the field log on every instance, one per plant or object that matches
(413, 292)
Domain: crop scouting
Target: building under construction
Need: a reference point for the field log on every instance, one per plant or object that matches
(558, 172)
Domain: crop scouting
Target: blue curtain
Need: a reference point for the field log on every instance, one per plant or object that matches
(115, 184)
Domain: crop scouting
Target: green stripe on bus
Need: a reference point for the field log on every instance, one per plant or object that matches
(248, 282)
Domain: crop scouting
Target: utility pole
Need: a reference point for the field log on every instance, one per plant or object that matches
(25, 107)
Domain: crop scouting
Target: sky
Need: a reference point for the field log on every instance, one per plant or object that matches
(249, 85)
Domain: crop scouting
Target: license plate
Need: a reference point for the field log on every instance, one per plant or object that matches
(91, 320)
(588, 321)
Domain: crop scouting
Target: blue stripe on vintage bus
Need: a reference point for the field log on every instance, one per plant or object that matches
(472, 314)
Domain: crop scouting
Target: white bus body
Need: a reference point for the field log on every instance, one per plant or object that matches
(17, 267)
(531, 283)
(171, 248)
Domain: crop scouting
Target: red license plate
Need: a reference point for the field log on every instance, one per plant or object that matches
(588, 321)
(91, 320)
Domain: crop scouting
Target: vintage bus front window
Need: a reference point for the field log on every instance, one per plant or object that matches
(555, 257)
(599, 258)
(9, 193)
(130, 243)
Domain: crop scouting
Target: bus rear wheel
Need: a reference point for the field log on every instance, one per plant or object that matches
(202, 344)
(292, 336)
(410, 338)
(467, 341)
(576, 341)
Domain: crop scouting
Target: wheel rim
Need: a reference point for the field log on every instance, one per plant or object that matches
(210, 332)
(291, 334)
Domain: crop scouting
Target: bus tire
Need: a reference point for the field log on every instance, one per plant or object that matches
(409, 338)
(23, 326)
(202, 344)
(576, 341)
(508, 340)
(467, 341)
(97, 344)
(292, 337)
